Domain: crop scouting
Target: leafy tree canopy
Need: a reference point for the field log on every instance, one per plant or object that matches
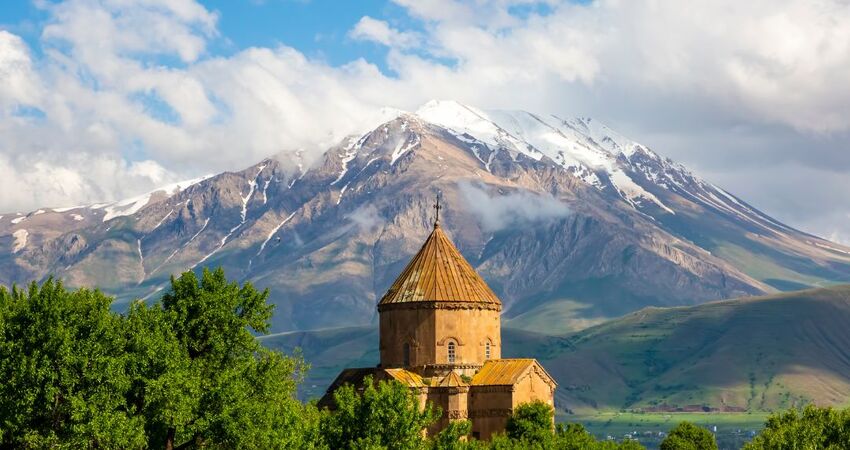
(385, 415)
(186, 372)
(201, 378)
(62, 363)
(530, 428)
(812, 428)
(687, 436)
(531, 422)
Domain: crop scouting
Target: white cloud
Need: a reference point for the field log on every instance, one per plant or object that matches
(128, 90)
(497, 212)
(367, 218)
(370, 29)
(18, 81)
(51, 180)
(111, 116)
(766, 61)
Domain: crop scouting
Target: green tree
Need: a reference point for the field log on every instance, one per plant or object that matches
(574, 437)
(385, 415)
(201, 378)
(456, 437)
(687, 436)
(570, 437)
(532, 422)
(812, 428)
(62, 366)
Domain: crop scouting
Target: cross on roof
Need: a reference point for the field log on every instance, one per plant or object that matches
(437, 208)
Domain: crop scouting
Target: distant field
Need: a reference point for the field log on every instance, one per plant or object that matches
(733, 429)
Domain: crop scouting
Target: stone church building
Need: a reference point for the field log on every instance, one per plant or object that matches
(440, 334)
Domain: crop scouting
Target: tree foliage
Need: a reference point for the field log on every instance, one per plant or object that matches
(186, 372)
(687, 436)
(811, 428)
(531, 422)
(530, 428)
(456, 437)
(62, 363)
(201, 378)
(384, 415)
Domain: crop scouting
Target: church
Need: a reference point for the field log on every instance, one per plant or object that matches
(440, 334)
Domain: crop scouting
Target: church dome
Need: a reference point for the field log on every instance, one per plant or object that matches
(439, 273)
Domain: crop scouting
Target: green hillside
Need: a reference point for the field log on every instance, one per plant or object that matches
(752, 354)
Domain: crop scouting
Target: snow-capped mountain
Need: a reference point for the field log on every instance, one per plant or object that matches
(564, 217)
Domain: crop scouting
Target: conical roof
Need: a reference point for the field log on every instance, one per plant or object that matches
(439, 273)
(452, 380)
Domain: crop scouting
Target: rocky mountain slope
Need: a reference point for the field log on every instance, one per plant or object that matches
(563, 217)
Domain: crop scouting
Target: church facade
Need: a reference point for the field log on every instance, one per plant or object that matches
(440, 335)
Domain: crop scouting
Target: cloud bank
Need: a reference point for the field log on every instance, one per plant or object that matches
(117, 97)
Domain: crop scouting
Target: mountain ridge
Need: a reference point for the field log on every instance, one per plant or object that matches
(329, 238)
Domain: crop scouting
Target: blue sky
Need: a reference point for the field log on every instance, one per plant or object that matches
(319, 28)
(105, 99)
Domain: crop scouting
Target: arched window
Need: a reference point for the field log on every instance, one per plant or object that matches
(451, 347)
(487, 349)
(406, 354)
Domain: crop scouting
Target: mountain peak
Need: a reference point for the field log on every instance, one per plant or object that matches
(459, 117)
(433, 108)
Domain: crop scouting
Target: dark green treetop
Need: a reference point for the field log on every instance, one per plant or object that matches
(687, 436)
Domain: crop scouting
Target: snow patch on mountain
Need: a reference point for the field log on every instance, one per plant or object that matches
(468, 122)
(266, 188)
(141, 261)
(341, 193)
(829, 247)
(66, 209)
(582, 146)
(274, 231)
(130, 206)
(252, 187)
(404, 145)
(20, 240)
(633, 193)
(347, 155)
(163, 219)
(204, 227)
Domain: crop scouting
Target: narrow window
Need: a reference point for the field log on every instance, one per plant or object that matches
(406, 354)
(451, 352)
(487, 350)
